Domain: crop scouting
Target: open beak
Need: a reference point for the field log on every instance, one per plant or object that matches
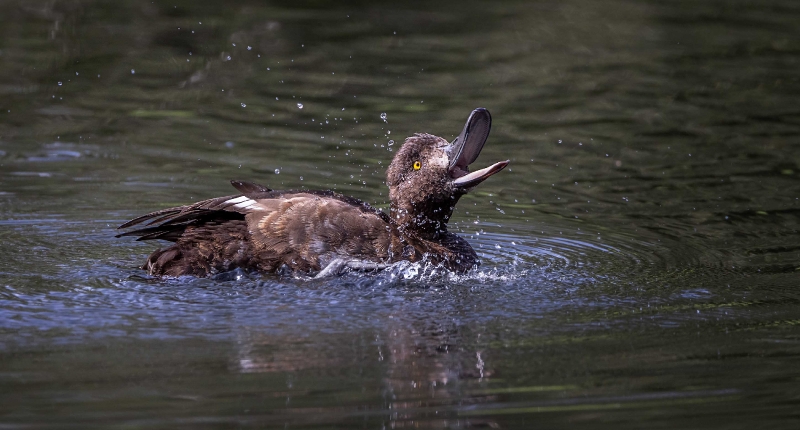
(465, 148)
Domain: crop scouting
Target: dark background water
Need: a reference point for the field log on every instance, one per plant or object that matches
(640, 254)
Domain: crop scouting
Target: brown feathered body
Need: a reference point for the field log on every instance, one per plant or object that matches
(298, 230)
(305, 231)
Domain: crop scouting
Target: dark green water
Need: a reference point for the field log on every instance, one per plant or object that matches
(641, 254)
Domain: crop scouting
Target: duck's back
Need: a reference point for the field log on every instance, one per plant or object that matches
(264, 230)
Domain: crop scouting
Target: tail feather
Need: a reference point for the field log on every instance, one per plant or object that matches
(217, 246)
(250, 187)
(170, 262)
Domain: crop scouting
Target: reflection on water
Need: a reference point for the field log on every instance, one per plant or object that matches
(639, 253)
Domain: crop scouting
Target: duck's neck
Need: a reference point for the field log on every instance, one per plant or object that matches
(428, 224)
(416, 237)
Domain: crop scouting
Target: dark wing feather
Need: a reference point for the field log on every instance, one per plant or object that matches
(172, 222)
(171, 233)
(138, 220)
(173, 228)
(219, 203)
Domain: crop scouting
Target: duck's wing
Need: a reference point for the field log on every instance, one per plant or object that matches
(169, 224)
(306, 223)
(264, 230)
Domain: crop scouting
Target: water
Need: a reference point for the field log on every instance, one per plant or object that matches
(640, 258)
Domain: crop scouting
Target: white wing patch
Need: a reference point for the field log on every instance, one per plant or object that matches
(247, 204)
(239, 199)
(243, 202)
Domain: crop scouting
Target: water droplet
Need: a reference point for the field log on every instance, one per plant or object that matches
(60, 84)
(391, 142)
(299, 105)
(249, 48)
(244, 105)
(229, 144)
(383, 116)
(277, 171)
(133, 72)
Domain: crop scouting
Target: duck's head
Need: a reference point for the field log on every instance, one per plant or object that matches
(428, 175)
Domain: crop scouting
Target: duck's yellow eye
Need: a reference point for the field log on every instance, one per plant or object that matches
(417, 165)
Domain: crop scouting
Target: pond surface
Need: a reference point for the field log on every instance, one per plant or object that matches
(641, 254)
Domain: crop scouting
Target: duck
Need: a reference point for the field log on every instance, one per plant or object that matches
(324, 233)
